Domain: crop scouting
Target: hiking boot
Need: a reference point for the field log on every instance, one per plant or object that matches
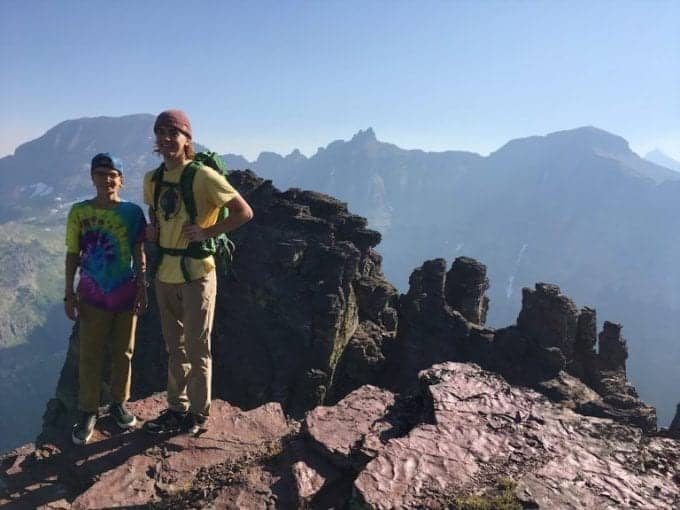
(193, 423)
(82, 431)
(169, 422)
(124, 419)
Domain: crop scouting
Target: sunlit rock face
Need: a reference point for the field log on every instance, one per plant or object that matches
(484, 429)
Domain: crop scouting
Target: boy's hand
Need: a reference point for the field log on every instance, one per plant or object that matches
(71, 307)
(151, 232)
(194, 232)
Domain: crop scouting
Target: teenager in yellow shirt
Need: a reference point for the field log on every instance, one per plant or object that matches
(186, 307)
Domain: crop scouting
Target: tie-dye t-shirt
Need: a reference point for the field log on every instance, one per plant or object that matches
(105, 239)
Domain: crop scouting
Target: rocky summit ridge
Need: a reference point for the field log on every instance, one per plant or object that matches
(334, 391)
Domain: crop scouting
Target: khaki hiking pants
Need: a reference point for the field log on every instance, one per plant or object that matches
(97, 327)
(187, 311)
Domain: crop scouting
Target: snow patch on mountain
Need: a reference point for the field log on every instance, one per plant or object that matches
(511, 281)
(74, 141)
(39, 189)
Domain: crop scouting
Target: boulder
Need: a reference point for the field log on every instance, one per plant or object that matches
(352, 431)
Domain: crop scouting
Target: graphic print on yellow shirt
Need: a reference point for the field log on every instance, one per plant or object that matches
(211, 192)
(169, 201)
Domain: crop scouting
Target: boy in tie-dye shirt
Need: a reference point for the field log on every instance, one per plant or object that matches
(104, 238)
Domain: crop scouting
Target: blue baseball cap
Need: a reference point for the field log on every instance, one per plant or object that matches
(107, 160)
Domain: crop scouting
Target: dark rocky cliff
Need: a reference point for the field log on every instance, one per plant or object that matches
(305, 319)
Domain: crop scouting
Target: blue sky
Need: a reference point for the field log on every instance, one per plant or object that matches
(257, 76)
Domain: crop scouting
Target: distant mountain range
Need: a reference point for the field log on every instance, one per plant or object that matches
(577, 208)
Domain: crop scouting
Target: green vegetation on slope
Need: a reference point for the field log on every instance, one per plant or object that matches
(501, 498)
(31, 277)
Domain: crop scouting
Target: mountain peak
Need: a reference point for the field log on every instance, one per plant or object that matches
(295, 155)
(586, 138)
(366, 135)
(590, 136)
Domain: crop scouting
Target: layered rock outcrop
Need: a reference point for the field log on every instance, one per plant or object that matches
(484, 430)
(551, 348)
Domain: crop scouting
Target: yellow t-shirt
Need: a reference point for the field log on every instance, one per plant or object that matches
(211, 192)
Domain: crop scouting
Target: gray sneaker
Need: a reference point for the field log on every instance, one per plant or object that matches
(124, 419)
(82, 431)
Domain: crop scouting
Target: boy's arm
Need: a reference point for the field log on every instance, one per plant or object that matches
(139, 263)
(152, 226)
(240, 212)
(152, 231)
(71, 265)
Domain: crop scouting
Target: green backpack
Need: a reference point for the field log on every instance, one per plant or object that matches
(221, 246)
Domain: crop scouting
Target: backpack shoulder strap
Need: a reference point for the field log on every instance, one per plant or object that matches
(186, 184)
(157, 179)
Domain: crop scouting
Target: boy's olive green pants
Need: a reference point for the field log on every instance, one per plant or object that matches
(97, 327)
(187, 311)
